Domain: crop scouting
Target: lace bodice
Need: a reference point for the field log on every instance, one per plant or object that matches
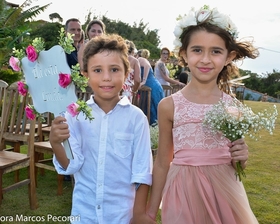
(188, 130)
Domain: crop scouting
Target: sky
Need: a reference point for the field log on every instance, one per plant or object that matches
(257, 20)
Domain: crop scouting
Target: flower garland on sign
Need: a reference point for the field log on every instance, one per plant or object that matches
(235, 120)
(32, 52)
(203, 15)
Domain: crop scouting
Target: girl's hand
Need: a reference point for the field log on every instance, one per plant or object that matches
(239, 150)
(142, 219)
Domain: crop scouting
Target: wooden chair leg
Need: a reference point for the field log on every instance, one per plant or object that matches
(59, 184)
(41, 157)
(17, 149)
(32, 187)
(1, 186)
(36, 159)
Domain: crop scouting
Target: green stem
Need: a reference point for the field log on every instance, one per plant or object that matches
(239, 171)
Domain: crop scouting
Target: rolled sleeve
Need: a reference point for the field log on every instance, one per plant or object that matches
(142, 162)
(74, 165)
(143, 179)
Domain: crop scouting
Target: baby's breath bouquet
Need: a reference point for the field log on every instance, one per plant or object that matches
(236, 120)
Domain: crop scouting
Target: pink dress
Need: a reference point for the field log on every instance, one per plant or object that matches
(201, 186)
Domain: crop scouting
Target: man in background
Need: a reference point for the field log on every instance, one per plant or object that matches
(73, 26)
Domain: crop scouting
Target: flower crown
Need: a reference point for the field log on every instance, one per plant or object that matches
(64, 80)
(203, 15)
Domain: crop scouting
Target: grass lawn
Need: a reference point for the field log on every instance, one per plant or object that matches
(262, 184)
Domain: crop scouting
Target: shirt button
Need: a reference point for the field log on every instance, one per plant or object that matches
(98, 207)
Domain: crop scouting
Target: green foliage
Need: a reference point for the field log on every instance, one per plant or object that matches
(248, 96)
(172, 69)
(66, 41)
(14, 26)
(55, 15)
(266, 83)
(80, 81)
(10, 76)
(48, 31)
(138, 33)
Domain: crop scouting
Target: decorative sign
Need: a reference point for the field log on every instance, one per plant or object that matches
(42, 78)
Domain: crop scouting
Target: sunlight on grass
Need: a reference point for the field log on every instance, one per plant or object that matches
(262, 183)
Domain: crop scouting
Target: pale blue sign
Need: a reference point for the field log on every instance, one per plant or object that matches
(42, 78)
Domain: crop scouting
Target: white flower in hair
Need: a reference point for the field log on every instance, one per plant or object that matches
(177, 43)
(177, 31)
(203, 15)
(188, 20)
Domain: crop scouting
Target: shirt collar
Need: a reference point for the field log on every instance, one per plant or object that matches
(123, 102)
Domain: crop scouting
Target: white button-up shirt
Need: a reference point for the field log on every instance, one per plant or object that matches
(111, 154)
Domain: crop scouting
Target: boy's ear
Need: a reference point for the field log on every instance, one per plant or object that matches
(231, 56)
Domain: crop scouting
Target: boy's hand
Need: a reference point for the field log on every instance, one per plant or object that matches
(59, 130)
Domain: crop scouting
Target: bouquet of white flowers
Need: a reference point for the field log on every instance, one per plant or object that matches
(235, 120)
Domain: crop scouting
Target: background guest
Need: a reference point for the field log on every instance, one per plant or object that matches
(161, 71)
(133, 80)
(73, 26)
(148, 79)
(95, 28)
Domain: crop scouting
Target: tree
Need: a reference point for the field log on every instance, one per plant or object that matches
(48, 31)
(254, 82)
(266, 83)
(138, 33)
(55, 16)
(14, 25)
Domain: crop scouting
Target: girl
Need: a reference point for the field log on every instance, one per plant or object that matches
(194, 172)
(112, 154)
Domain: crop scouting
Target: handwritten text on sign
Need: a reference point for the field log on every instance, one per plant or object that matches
(42, 77)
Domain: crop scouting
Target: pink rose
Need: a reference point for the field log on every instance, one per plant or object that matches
(22, 88)
(31, 53)
(30, 113)
(64, 80)
(14, 63)
(234, 111)
(73, 109)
